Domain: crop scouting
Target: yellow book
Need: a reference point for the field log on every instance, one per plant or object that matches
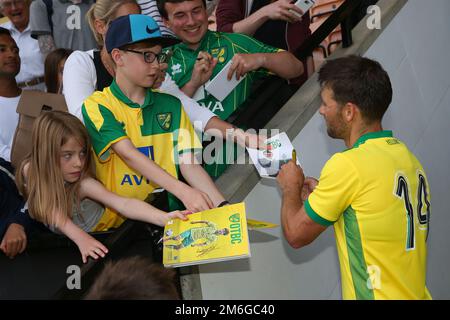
(209, 236)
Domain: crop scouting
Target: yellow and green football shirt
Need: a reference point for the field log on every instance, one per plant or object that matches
(377, 196)
(159, 129)
(222, 46)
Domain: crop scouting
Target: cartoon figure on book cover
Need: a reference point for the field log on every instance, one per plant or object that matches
(197, 236)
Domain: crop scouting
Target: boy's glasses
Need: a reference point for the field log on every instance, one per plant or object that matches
(150, 56)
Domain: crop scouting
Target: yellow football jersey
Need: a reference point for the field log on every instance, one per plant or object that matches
(377, 196)
(159, 129)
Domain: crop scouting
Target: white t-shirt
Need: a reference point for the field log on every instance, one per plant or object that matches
(80, 81)
(9, 119)
(32, 60)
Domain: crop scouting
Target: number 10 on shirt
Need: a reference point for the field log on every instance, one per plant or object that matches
(423, 217)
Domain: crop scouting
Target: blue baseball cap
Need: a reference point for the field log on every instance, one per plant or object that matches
(135, 28)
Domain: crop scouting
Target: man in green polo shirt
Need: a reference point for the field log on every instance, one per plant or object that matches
(203, 54)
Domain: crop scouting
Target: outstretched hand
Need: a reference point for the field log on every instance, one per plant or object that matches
(161, 75)
(90, 247)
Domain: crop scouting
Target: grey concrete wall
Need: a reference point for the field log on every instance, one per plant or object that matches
(413, 48)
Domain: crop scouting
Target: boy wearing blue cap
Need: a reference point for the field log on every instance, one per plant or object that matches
(142, 139)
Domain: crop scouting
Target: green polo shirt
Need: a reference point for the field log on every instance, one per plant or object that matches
(222, 46)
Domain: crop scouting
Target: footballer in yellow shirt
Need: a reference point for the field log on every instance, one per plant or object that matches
(376, 193)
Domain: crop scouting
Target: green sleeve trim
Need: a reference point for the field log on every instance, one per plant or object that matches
(110, 132)
(104, 154)
(316, 217)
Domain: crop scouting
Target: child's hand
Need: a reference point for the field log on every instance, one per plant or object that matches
(89, 247)
(203, 68)
(196, 200)
(14, 241)
(182, 215)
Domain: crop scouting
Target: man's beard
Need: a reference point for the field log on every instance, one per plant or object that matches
(332, 133)
(337, 131)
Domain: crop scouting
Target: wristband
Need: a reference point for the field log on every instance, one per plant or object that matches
(223, 203)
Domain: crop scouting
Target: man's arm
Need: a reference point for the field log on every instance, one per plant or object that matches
(228, 20)
(197, 177)
(284, 64)
(298, 228)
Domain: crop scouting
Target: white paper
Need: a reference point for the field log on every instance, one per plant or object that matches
(219, 86)
(268, 163)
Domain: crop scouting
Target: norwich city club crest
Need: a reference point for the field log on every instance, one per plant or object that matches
(220, 54)
(164, 120)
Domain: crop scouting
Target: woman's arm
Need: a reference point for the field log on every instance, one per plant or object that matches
(79, 81)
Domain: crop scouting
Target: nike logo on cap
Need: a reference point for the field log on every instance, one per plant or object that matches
(150, 31)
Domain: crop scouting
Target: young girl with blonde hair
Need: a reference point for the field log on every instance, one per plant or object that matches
(60, 192)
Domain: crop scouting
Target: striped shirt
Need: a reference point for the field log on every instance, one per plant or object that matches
(149, 8)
